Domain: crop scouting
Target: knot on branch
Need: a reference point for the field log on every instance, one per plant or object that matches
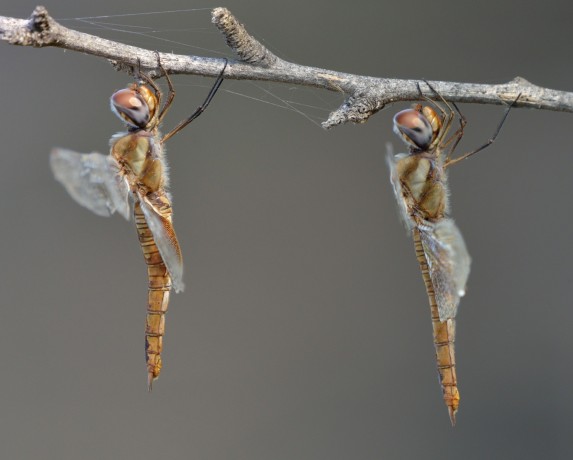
(37, 32)
(520, 81)
(122, 66)
(355, 109)
(527, 91)
(238, 39)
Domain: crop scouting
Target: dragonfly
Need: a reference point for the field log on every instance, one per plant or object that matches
(133, 179)
(420, 184)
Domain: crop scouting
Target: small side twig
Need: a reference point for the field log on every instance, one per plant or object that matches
(364, 95)
(238, 39)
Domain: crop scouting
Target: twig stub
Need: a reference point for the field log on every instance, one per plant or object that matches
(240, 41)
(37, 31)
(354, 109)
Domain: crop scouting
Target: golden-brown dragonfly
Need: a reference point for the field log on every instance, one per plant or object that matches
(136, 169)
(420, 184)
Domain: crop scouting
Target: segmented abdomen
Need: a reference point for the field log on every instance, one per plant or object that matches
(158, 296)
(444, 338)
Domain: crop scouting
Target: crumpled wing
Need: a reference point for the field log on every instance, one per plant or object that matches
(93, 180)
(448, 263)
(166, 241)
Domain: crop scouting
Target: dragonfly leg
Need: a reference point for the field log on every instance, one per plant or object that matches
(199, 109)
(490, 141)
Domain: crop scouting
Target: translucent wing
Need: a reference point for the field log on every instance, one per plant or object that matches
(391, 159)
(166, 241)
(93, 180)
(448, 262)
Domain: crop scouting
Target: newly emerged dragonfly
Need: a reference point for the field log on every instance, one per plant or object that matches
(420, 184)
(136, 169)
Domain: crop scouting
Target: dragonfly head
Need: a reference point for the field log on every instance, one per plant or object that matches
(135, 105)
(417, 127)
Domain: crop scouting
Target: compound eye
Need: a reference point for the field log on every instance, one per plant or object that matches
(130, 107)
(414, 128)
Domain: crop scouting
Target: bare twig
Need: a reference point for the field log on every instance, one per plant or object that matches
(365, 95)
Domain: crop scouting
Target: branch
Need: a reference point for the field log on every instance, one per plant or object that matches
(364, 95)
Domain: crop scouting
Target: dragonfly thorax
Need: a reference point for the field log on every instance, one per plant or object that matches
(423, 187)
(137, 153)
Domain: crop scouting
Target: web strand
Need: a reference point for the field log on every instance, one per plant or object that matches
(117, 24)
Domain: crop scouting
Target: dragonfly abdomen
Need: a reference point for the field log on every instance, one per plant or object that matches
(444, 337)
(158, 296)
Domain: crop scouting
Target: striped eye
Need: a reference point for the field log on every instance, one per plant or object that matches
(414, 128)
(130, 107)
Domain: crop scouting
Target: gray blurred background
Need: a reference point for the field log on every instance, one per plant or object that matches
(305, 329)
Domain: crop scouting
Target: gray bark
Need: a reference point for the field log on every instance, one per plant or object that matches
(364, 95)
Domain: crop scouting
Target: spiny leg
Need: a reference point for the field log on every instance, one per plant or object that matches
(430, 100)
(447, 116)
(170, 94)
(149, 81)
(457, 136)
(448, 119)
(437, 94)
(157, 91)
(199, 109)
(490, 141)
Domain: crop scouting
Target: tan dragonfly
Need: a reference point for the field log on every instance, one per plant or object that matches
(420, 184)
(136, 169)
